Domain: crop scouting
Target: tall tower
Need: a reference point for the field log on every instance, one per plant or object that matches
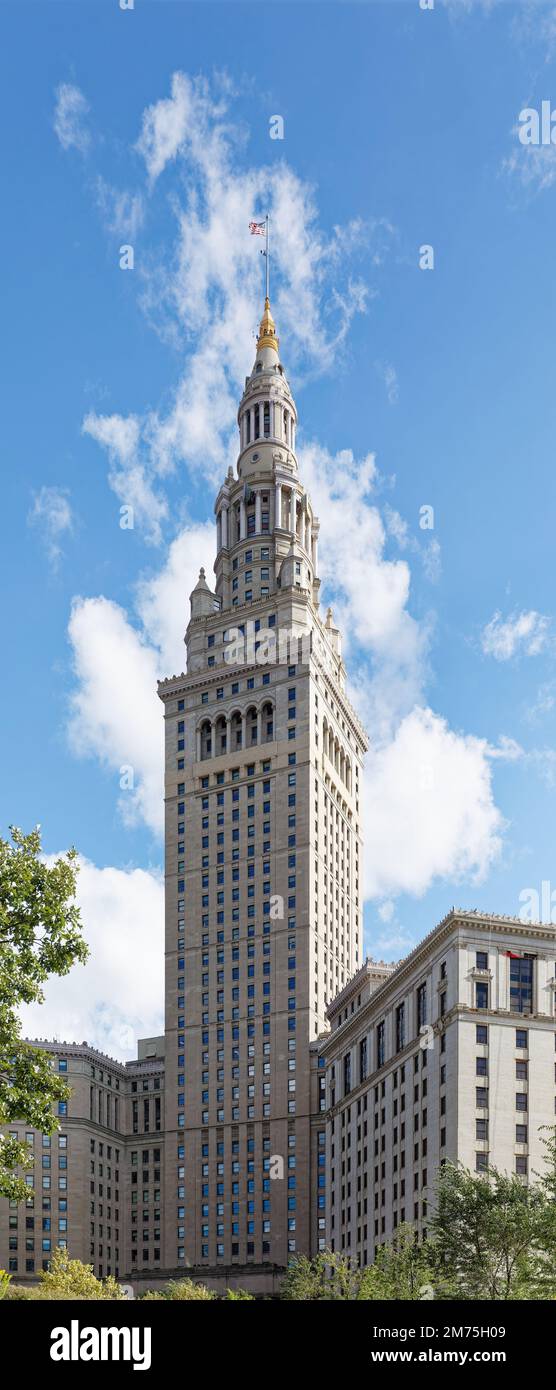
(263, 859)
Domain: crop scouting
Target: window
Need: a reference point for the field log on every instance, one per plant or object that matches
(521, 1134)
(363, 1059)
(521, 1037)
(400, 1027)
(347, 1073)
(521, 984)
(380, 1044)
(421, 1006)
(481, 960)
(481, 995)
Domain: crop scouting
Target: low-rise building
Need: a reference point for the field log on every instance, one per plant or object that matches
(450, 1055)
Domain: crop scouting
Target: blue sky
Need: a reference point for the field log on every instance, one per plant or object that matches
(414, 388)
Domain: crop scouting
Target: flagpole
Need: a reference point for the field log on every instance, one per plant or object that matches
(267, 220)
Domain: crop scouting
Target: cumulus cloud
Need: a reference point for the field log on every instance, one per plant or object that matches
(521, 634)
(429, 808)
(115, 714)
(69, 118)
(117, 996)
(52, 515)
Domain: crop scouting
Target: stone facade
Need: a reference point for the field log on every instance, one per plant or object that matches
(98, 1182)
(263, 914)
(451, 1055)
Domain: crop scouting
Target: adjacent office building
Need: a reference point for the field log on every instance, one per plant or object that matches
(451, 1055)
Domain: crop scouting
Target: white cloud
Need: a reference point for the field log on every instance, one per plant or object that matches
(123, 212)
(117, 996)
(429, 810)
(209, 295)
(128, 476)
(369, 592)
(115, 714)
(389, 377)
(210, 291)
(162, 600)
(521, 634)
(431, 556)
(51, 513)
(533, 165)
(69, 115)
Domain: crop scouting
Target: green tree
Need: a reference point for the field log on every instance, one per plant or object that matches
(67, 1278)
(328, 1276)
(180, 1289)
(40, 936)
(235, 1294)
(494, 1237)
(403, 1269)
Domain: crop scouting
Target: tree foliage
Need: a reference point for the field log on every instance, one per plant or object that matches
(40, 936)
(67, 1278)
(494, 1236)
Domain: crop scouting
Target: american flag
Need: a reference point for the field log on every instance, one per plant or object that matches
(257, 228)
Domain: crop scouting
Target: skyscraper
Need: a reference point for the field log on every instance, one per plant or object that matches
(263, 852)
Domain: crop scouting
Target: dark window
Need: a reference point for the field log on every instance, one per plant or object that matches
(380, 1045)
(521, 985)
(481, 995)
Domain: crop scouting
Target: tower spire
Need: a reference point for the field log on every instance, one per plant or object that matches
(267, 329)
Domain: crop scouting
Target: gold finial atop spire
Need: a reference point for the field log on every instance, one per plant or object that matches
(267, 329)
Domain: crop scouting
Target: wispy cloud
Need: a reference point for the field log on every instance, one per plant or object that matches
(389, 377)
(122, 212)
(70, 112)
(52, 515)
(205, 293)
(521, 634)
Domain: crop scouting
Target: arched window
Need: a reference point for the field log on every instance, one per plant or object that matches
(251, 727)
(266, 419)
(206, 739)
(220, 737)
(235, 731)
(257, 427)
(267, 723)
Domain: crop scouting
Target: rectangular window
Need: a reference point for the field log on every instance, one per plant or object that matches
(481, 995)
(521, 984)
(421, 1006)
(400, 1027)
